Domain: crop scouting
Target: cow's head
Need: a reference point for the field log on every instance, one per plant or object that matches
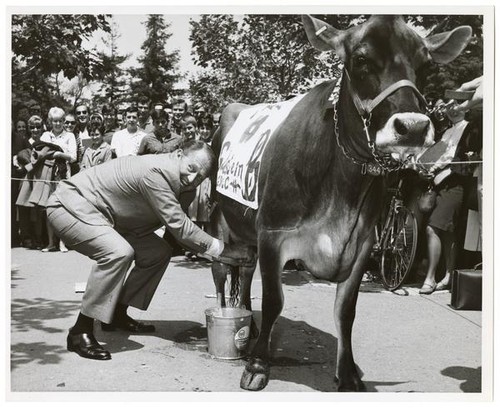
(381, 60)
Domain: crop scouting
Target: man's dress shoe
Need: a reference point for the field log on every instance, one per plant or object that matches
(129, 325)
(87, 346)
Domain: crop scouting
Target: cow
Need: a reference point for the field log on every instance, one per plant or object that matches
(322, 175)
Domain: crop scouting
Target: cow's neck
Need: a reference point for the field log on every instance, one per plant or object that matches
(351, 135)
(346, 188)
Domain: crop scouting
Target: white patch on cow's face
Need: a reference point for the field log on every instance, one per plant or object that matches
(404, 134)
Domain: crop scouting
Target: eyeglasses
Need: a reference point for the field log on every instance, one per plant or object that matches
(36, 127)
(70, 123)
(81, 112)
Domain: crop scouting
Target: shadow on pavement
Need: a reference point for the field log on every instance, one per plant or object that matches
(37, 313)
(14, 276)
(470, 376)
(198, 264)
(43, 354)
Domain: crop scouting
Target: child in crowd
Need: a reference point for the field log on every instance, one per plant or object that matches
(99, 151)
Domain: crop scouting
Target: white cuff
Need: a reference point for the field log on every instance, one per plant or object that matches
(216, 248)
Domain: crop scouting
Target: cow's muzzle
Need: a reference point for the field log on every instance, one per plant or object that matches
(405, 133)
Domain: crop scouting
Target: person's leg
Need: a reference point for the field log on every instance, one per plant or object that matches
(25, 226)
(450, 252)
(152, 255)
(113, 256)
(434, 254)
(62, 247)
(51, 245)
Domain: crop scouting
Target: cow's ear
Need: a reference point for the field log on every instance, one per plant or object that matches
(445, 47)
(323, 36)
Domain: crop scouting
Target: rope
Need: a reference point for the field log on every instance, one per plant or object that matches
(468, 162)
(471, 162)
(36, 180)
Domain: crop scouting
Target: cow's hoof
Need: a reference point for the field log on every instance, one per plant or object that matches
(255, 376)
(353, 385)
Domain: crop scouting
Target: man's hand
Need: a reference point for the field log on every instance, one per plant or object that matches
(236, 255)
(476, 102)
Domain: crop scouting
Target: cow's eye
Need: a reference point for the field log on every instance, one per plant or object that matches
(360, 60)
(362, 66)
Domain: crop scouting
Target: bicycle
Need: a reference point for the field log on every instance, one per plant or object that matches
(395, 245)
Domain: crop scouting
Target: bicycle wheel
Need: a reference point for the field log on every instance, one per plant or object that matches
(398, 249)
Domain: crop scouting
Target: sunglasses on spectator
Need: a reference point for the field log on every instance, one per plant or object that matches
(70, 123)
(81, 112)
(36, 127)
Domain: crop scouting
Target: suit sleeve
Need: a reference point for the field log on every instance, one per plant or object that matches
(157, 191)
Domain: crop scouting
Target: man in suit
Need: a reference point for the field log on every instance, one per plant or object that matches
(109, 213)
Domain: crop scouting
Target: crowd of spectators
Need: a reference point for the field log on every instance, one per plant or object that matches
(51, 147)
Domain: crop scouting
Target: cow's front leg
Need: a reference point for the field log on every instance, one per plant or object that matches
(256, 374)
(347, 375)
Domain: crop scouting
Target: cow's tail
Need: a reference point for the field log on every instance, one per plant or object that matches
(234, 290)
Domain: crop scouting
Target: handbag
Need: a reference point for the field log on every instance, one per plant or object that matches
(427, 200)
(466, 289)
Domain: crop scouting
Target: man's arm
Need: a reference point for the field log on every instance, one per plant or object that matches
(157, 191)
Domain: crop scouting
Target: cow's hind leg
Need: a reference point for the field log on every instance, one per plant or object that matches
(347, 376)
(256, 374)
(219, 275)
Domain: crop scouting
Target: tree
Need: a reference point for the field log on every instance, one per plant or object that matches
(261, 58)
(267, 57)
(43, 46)
(158, 71)
(111, 74)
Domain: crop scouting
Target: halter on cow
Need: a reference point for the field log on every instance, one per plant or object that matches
(318, 181)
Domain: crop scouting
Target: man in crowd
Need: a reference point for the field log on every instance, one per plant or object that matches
(144, 120)
(110, 126)
(82, 114)
(110, 213)
(179, 109)
(127, 141)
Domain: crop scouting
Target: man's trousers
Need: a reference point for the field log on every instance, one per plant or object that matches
(113, 253)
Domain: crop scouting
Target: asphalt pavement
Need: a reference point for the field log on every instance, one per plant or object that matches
(402, 342)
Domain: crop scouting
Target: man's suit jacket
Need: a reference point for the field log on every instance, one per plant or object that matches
(133, 194)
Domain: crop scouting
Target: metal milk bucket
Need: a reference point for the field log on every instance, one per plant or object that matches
(228, 332)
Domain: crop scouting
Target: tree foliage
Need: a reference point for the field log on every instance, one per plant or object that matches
(261, 58)
(112, 76)
(52, 43)
(46, 45)
(158, 72)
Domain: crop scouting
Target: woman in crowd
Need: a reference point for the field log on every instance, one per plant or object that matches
(450, 182)
(70, 126)
(203, 122)
(30, 216)
(99, 151)
(68, 154)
